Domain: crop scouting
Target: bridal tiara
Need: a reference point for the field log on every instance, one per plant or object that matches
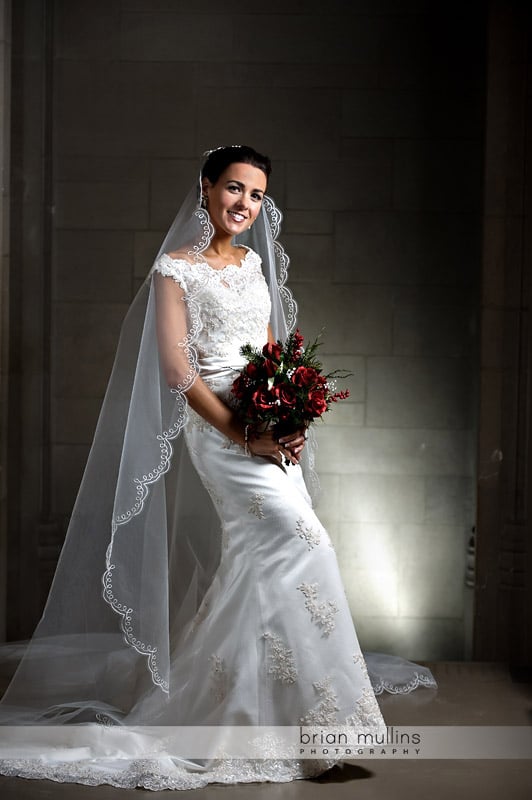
(207, 153)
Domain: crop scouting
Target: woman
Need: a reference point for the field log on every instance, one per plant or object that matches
(250, 628)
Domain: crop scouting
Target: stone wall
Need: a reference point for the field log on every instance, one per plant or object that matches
(373, 115)
(503, 598)
(5, 74)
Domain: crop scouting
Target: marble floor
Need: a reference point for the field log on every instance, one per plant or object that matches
(470, 693)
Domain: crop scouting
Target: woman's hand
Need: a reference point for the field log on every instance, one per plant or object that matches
(294, 444)
(267, 446)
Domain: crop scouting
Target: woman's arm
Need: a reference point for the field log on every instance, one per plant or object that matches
(178, 369)
(214, 410)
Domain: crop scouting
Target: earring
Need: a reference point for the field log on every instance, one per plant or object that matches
(204, 199)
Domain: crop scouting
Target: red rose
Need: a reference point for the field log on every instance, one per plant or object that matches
(262, 399)
(285, 394)
(238, 387)
(272, 350)
(305, 376)
(316, 402)
(298, 339)
(270, 368)
(252, 370)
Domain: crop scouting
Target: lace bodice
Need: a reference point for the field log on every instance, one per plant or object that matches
(233, 304)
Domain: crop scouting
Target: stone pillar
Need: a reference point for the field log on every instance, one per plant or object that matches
(5, 99)
(503, 600)
(29, 477)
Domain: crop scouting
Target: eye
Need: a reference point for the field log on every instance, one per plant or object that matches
(233, 187)
(257, 196)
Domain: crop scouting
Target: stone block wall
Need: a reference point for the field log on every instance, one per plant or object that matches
(5, 74)
(373, 115)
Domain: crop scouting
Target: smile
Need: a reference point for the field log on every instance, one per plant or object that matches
(236, 216)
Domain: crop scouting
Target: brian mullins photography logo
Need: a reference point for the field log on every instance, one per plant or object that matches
(390, 742)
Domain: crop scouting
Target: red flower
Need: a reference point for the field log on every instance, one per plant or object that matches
(252, 370)
(316, 402)
(266, 395)
(262, 399)
(238, 388)
(270, 367)
(305, 377)
(273, 351)
(285, 394)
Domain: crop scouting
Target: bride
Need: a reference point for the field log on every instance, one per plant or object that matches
(196, 586)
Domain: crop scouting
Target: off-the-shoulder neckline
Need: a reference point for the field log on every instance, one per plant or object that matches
(244, 258)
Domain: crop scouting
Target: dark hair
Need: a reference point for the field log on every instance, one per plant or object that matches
(221, 158)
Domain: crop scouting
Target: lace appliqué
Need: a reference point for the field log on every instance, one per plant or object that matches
(282, 664)
(269, 746)
(367, 713)
(358, 659)
(103, 719)
(417, 680)
(312, 537)
(325, 713)
(233, 303)
(256, 506)
(320, 613)
(218, 677)
(154, 774)
(171, 268)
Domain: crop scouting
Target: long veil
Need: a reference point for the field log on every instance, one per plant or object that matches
(143, 541)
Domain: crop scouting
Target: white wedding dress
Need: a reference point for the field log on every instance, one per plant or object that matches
(273, 642)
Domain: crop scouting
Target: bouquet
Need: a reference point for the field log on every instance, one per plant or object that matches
(283, 388)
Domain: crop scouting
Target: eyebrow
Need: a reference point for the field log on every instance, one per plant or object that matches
(239, 183)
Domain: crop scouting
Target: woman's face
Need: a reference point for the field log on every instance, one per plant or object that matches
(234, 201)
